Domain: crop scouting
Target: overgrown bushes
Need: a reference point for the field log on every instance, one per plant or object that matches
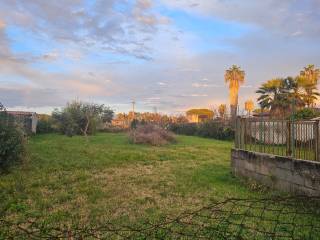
(208, 129)
(151, 134)
(12, 141)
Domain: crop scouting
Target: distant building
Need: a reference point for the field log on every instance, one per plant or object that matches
(28, 120)
(199, 115)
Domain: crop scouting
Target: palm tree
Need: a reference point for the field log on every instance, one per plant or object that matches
(234, 76)
(281, 96)
(271, 96)
(308, 79)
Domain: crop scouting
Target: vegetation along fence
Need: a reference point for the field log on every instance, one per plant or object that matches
(297, 139)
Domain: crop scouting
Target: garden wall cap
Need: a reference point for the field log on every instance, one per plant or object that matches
(21, 113)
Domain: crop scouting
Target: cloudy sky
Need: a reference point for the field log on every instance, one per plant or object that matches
(168, 54)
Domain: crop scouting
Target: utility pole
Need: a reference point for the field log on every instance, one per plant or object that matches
(133, 105)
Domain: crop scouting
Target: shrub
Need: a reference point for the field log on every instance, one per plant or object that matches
(113, 129)
(151, 134)
(217, 130)
(305, 114)
(189, 129)
(208, 129)
(45, 124)
(12, 142)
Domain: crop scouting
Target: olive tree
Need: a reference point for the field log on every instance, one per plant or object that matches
(81, 118)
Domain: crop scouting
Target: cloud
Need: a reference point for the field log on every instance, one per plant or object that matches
(27, 96)
(94, 51)
(2, 24)
(192, 95)
(121, 32)
(284, 17)
(144, 4)
(188, 70)
(205, 85)
(162, 83)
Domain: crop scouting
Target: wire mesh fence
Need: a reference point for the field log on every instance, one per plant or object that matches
(297, 139)
(273, 218)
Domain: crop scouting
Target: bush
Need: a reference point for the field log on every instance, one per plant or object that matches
(113, 129)
(215, 130)
(305, 114)
(12, 142)
(189, 129)
(45, 124)
(151, 134)
(208, 129)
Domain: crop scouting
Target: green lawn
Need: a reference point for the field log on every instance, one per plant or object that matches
(108, 176)
(67, 180)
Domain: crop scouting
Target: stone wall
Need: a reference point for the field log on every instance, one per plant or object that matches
(281, 173)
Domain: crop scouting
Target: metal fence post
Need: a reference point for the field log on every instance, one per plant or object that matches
(236, 133)
(260, 135)
(316, 140)
(288, 139)
(242, 140)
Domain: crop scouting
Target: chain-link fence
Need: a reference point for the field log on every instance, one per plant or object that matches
(273, 218)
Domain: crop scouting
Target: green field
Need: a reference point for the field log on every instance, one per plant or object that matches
(67, 180)
(107, 176)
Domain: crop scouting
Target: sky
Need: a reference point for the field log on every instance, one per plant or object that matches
(168, 55)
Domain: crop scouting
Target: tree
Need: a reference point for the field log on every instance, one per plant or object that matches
(88, 116)
(222, 109)
(271, 96)
(311, 74)
(107, 115)
(281, 96)
(249, 105)
(234, 76)
(308, 79)
(81, 118)
(2, 108)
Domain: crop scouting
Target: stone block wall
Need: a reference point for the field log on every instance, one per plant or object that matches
(282, 173)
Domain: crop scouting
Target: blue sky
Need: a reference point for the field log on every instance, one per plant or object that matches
(168, 54)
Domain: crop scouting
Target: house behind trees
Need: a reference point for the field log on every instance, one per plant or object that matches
(199, 115)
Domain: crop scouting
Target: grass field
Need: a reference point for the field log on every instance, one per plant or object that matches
(109, 177)
(68, 180)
